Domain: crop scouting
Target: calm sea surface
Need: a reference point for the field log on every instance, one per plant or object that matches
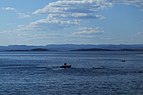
(92, 73)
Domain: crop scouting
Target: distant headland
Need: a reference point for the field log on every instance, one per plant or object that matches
(100, 49)
(36, 49)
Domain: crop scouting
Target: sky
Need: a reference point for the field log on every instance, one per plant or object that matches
(43, 22)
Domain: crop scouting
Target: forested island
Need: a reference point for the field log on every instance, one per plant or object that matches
(36, 49)
(100, 49)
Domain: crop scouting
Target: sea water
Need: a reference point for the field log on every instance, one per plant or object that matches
(92, 73)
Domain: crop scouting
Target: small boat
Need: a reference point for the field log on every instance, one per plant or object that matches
(123, 60)
(65, 66)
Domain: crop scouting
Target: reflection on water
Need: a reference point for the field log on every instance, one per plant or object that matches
(92, 73)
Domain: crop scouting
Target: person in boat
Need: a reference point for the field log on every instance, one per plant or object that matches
(123, 60)
(66, 66)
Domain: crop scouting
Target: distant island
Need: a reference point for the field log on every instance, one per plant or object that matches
(36, 49)
(100, 49)
(92, 49)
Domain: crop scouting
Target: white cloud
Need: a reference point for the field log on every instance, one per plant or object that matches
(74, 12)
(28, 27)
(63, 10)
(89, 31)
(139, 33)
(68, 12)
(101, 17)
(41, 35)
(15, 11)
(8, 9)
(70, 5)
(79, 14)
(38, 25)
(138, 3)
(23, 15)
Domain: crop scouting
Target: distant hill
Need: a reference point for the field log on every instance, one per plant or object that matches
(39, 49)
(36, 49)
(69, 47)
(92, 49)
(98, 49)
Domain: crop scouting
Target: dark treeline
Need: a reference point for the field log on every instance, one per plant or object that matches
(100, 49)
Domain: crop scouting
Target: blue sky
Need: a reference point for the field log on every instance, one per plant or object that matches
(43, 22)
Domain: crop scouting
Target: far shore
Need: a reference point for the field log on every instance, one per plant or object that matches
(89, 49)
